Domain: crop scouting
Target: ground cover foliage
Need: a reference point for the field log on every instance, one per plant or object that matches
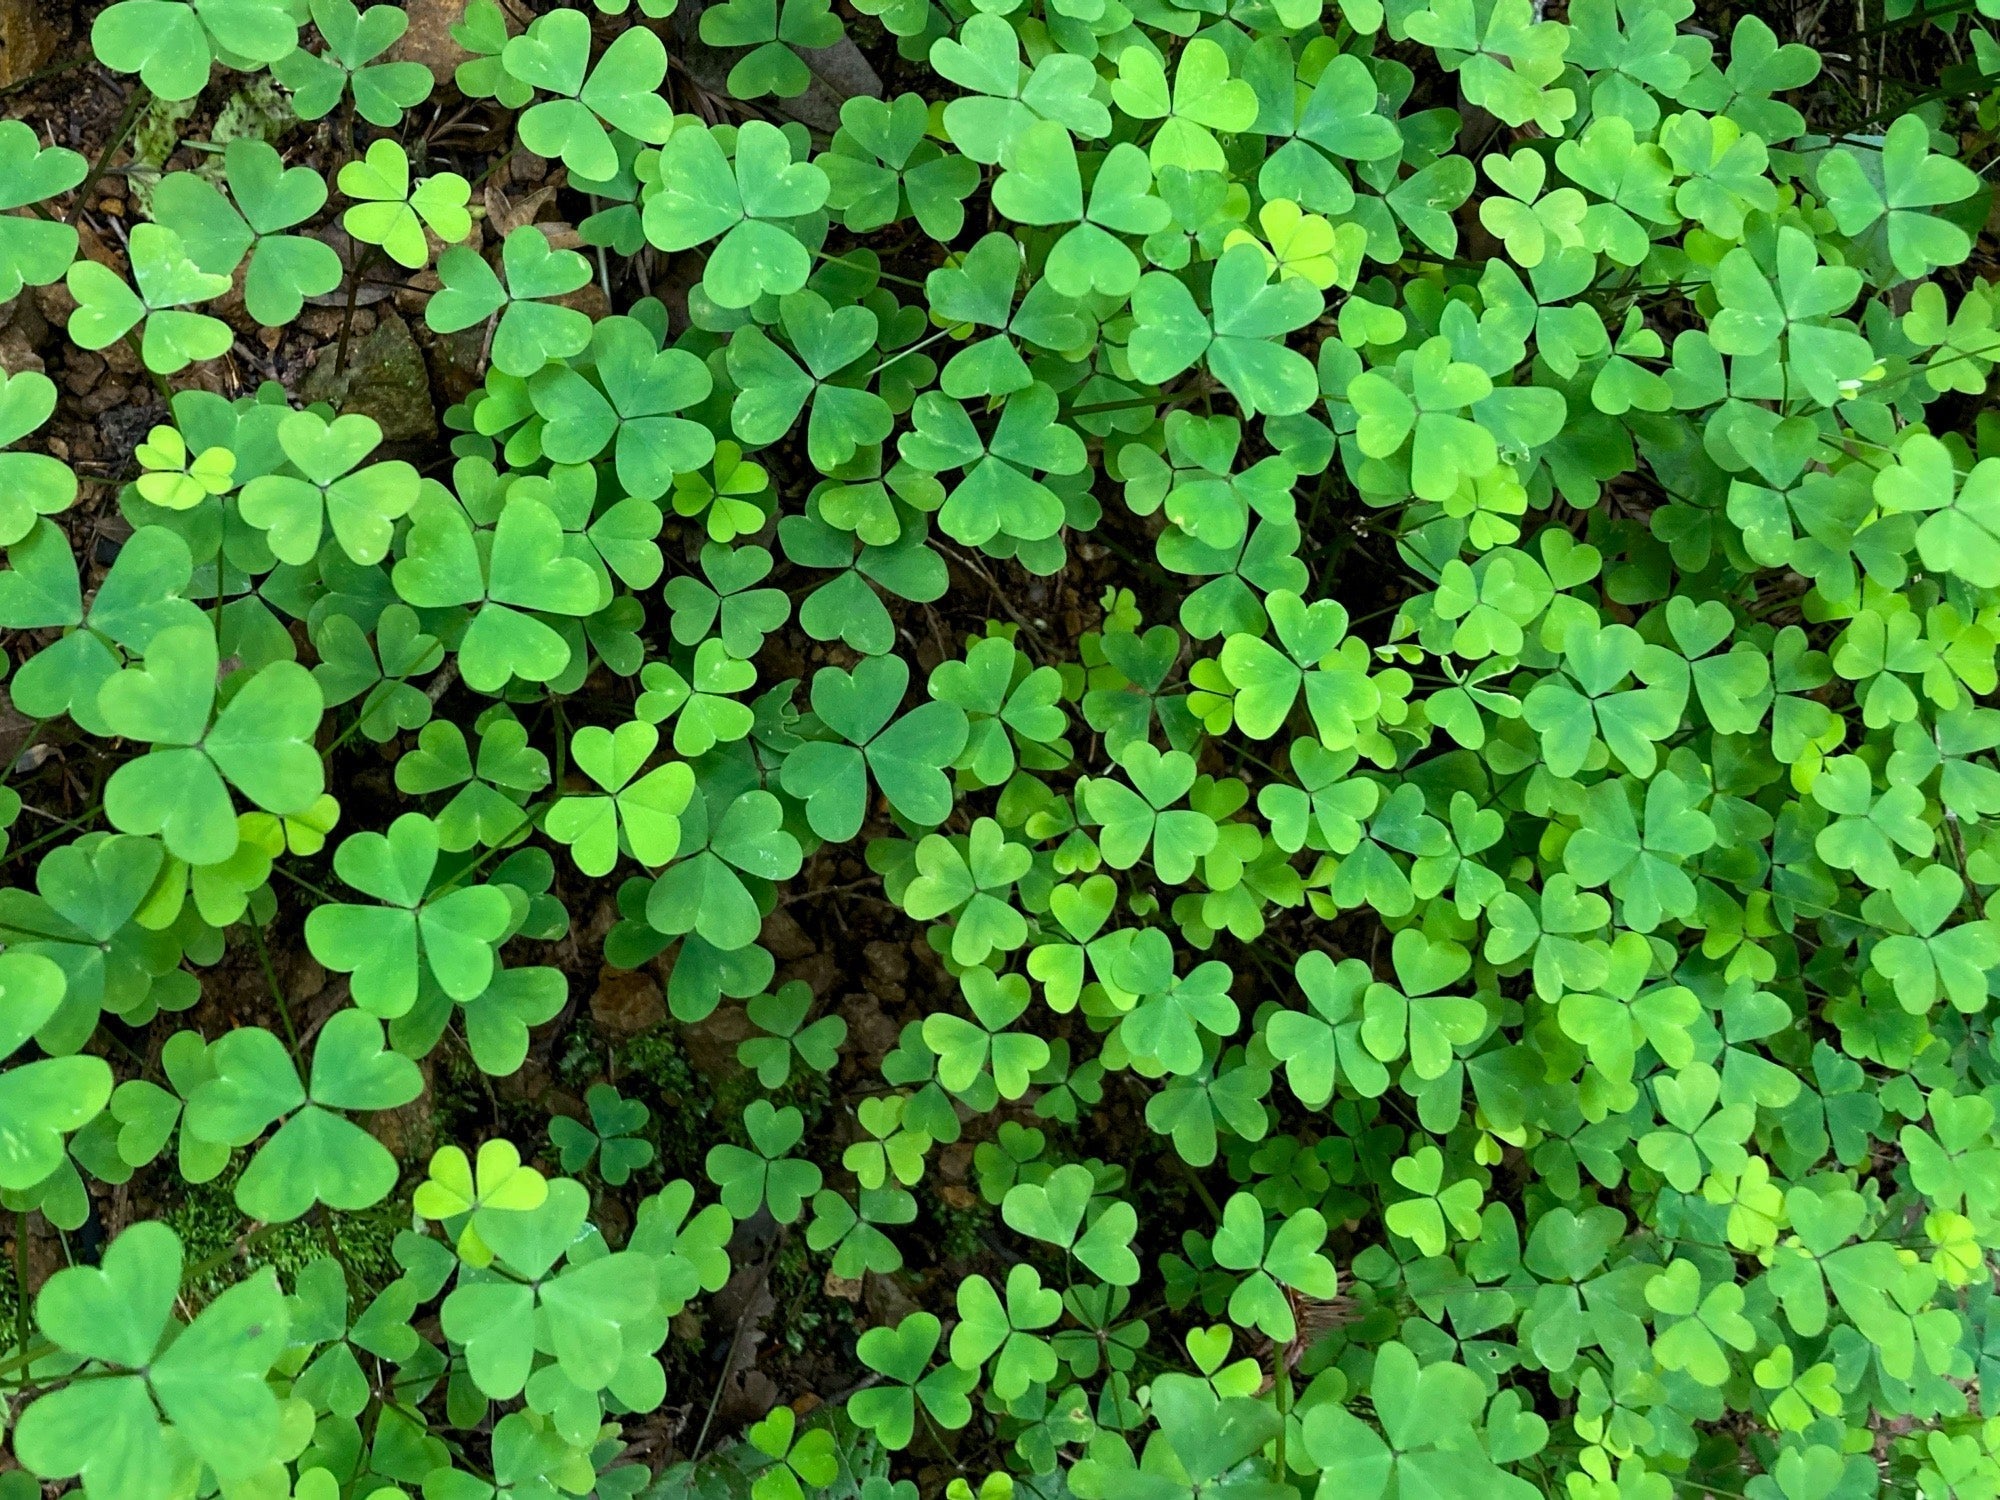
(1463, 968)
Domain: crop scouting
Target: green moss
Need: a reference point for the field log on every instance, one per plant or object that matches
(657, 1056)
(961, 1231)
(210, 1224)
(808, 1318)
(654, 1067)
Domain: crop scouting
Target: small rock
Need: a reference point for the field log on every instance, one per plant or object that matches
(888, 968)
(872, 1033)
(627, 1002)
(818, 970)
(385, 378)
(17, 353)
(102, 399)
(27, 41)
(457, 359)
(888, 1301)
(783, 936)
(429, 40)
(81, 371)
(848, 1289)
(55, 303)
(122, 428)
(526, 1084)
(712, 1041)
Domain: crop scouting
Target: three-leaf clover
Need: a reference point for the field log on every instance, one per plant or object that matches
(317, 1155)
(1007, 1333)
(1287, 1257)
(978, 1057)
(1889, 193)
(621, 91)
(171, 44)
(450, 934)
(611, 1136)
(782, 1019)
(881, 159)
(270, 198)
(394, 213)
(640, 814)
(527, 567)
(1240, 337)
(261, 742)
(33, 251)
(531, 331)
(633, 407)
(998, 495)
(327, 490)
(772, 388)
(766, 1176)
(169, 281)
(906, 758)
(1143, 816)
(902, 1355)
(702, 195)
(209, 1382)
(723, 842)
(968, 878)
(354, 40)
(773, 29)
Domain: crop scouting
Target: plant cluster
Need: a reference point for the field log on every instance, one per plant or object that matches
(1511, 852)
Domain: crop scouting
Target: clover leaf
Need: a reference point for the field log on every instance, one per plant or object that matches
(33, 251)
(209, 1382)
(354, 40)
(450, 934)
(1171, 331)
(703, 195)
(905, 758)
(773, 29)
(260, 742)
(619, 92)
(611, 1136)
(316, 1155)
(327, 490)
(766, 1176)
(634, 407)
(171, 44)
(880, 160)
(33, 484)
(394, 213)
(640, 814)
(168, 281)
(531, 332)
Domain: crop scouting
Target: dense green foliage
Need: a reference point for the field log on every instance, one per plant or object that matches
(1473, 975)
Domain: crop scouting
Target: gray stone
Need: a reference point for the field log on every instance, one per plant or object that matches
(385, 378)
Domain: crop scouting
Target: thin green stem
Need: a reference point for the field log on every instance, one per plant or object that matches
(277, 992)
(119, 133)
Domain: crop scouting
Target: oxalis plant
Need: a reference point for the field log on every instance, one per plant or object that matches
(1453, 898)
